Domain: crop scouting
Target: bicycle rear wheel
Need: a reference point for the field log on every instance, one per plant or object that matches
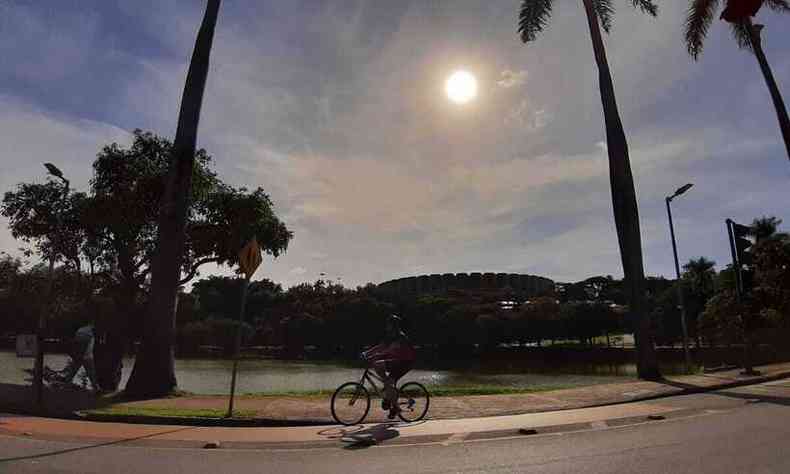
(413, 400)
(350, 403)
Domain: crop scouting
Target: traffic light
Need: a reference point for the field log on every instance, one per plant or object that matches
(742, 244)
(741, 256)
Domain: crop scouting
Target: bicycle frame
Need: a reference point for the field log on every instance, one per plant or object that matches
(370, 377)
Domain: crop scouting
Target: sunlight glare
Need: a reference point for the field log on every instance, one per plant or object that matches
(461, 87)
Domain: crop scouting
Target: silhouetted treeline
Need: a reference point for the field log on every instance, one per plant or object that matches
(330, 320)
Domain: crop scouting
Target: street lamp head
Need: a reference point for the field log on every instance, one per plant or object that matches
(53, 170)
(683, 189)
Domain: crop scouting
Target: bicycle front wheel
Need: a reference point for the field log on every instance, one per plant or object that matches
(413, 400)
(350, 403)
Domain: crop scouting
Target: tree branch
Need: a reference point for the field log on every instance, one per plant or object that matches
(140, 278)
(143, 261)
(194, 269)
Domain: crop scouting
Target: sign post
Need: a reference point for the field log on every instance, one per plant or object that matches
(743, 280)
(249, 260)
(26, 345)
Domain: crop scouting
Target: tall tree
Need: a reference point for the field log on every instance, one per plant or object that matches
(698, 284)
(9, 269)
(41, 216)
(154, 369)
(128, 185)
(111, 230)
(533, 18)
(701, 275)
(772, 280)
(739, 14)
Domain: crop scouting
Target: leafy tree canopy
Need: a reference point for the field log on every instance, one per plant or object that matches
(114, 225)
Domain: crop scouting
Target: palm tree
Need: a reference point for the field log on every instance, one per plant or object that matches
(154, 367)
(700, 279)
(533, 18)
(700, 273)
(765, 228)
(748, 35)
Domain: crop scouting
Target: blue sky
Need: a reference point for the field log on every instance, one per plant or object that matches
(337, 110)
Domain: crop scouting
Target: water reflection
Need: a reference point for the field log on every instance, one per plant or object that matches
(212, 376)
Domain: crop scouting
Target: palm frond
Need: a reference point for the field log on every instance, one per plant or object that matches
(698, 19)
(647, 6)
(778, 5)
(533, 17)
(604, 10)
(740, 31)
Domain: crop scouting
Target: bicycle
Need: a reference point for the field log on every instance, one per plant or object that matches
(55, 379)
(351, 401)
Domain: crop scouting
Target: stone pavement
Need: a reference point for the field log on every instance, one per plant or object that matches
(280, 410)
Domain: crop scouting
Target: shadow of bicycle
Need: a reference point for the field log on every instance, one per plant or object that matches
(361, 437)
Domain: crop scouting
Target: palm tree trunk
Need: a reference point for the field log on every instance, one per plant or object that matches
(626, 213)
(154, 368)
(776, 96)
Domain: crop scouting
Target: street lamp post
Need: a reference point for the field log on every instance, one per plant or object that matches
(38, 379)
(682, 306)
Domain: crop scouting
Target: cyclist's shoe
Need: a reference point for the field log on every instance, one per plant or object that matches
(385, 404)
(393, 412)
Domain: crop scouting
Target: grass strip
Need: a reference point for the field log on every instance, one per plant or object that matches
(170, 412)
(174, 412)
(440, 391)
(492, 390)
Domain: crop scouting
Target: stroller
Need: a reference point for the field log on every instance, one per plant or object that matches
(81, 356)
(57, 379)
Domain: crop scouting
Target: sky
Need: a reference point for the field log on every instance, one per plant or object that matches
(337, 110)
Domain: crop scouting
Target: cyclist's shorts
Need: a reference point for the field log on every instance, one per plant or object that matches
(397, 368)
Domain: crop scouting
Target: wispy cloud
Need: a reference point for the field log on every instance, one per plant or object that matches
(341, 117)
(298, 271)
(508, 78)
(34, 136)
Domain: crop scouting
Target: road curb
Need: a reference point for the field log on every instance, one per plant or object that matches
(692, 390)
(352, 440)
(199, 422)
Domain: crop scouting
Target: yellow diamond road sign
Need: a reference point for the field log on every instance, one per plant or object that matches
(250, 257)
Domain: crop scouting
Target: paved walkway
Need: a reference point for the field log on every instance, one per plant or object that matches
(315, 410)
(307, 436)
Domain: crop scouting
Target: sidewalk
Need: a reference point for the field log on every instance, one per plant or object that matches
(430, 431)
(294, 411)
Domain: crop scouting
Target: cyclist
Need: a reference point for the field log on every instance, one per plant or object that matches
(391, 360)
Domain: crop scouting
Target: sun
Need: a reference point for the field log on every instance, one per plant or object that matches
(461, 87)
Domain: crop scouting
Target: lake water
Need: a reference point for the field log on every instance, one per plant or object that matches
(212, 376)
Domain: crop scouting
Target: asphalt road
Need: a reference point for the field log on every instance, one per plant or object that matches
(736, 431)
